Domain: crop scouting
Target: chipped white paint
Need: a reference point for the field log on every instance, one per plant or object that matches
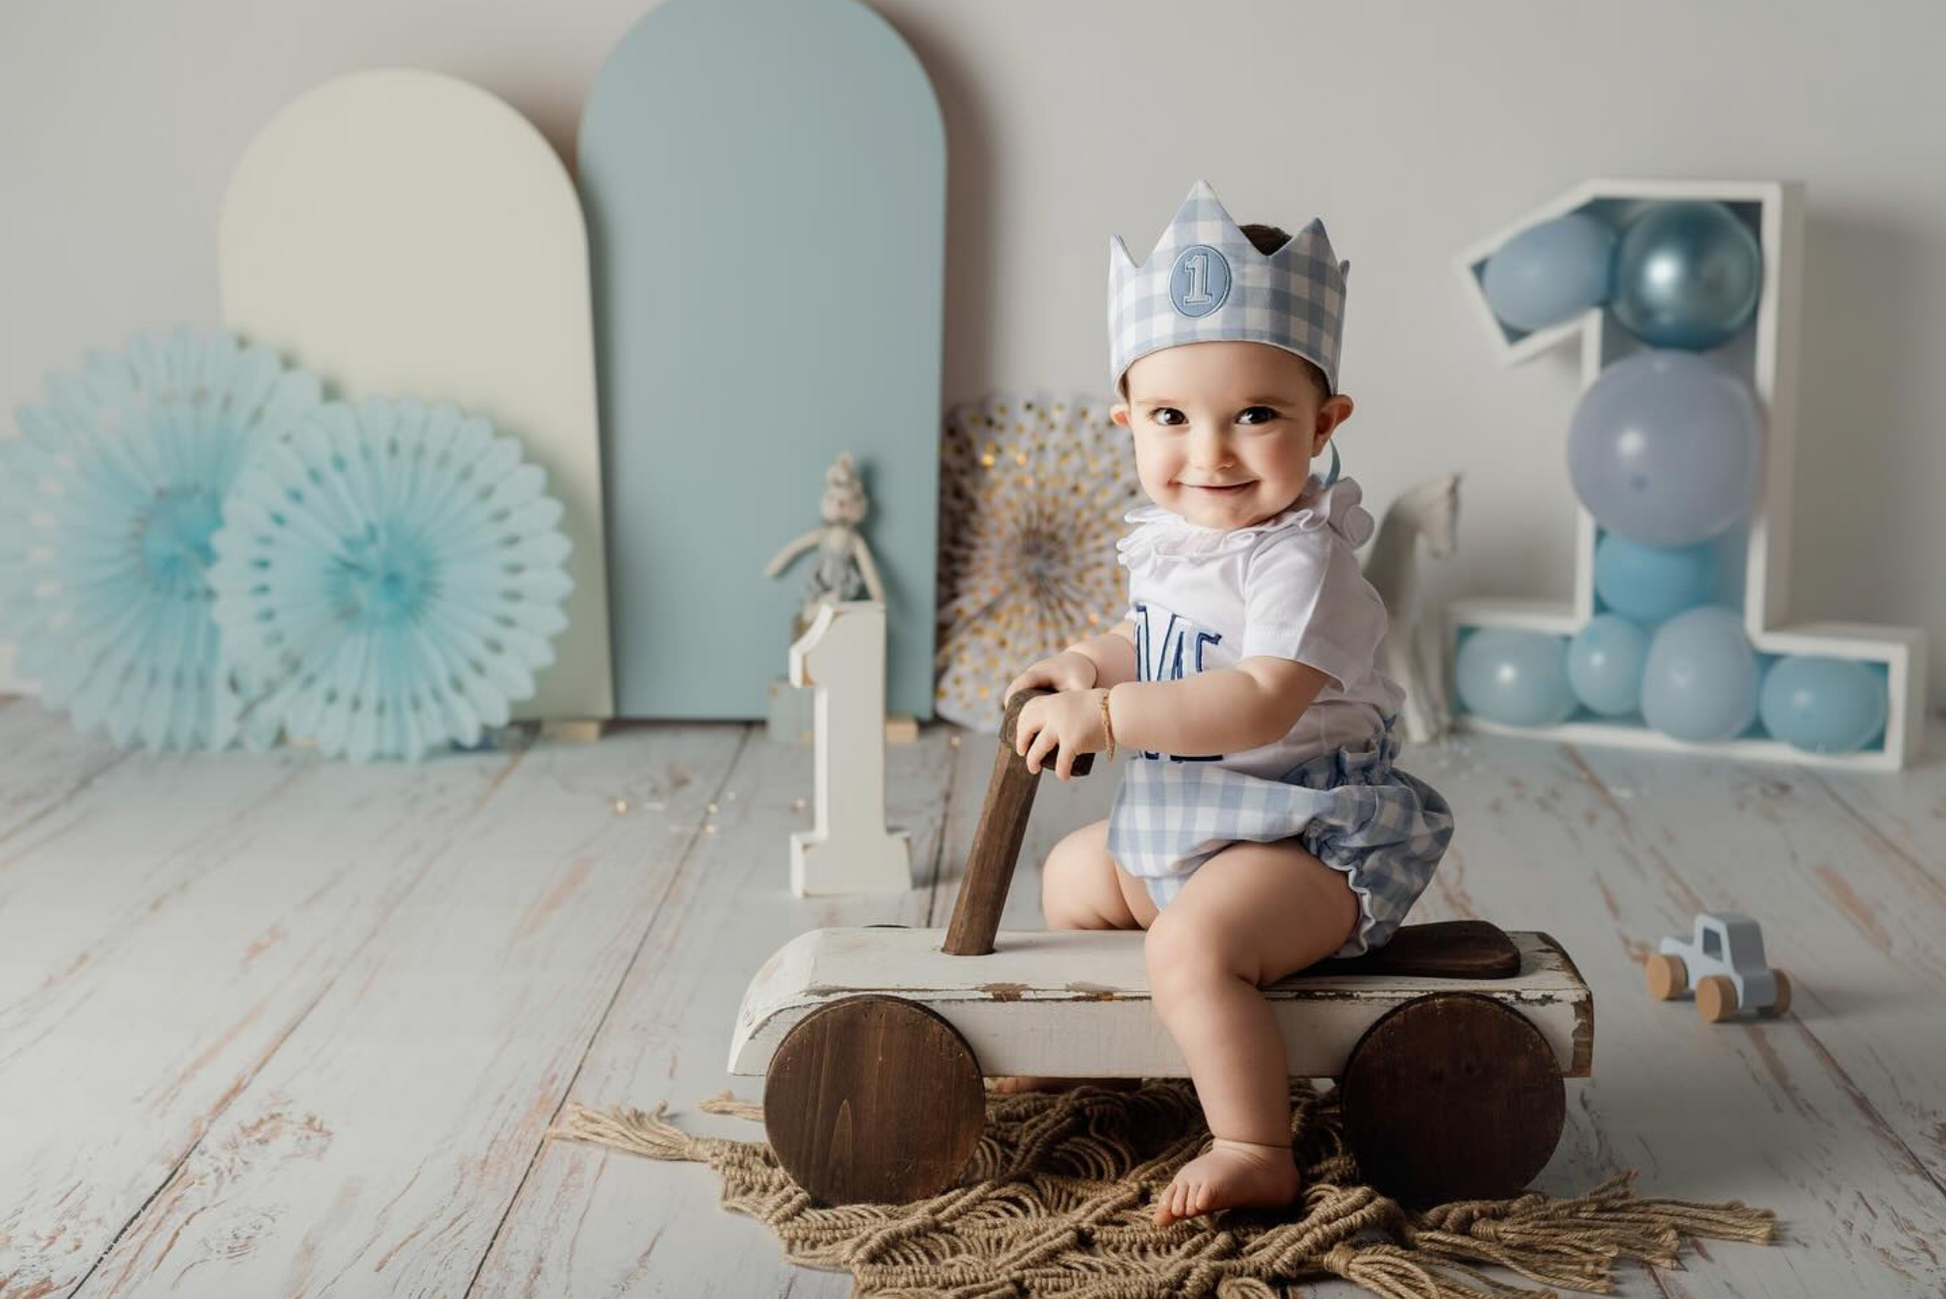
(592, 1221)
(1075, 1003)
(417, 964)
(163, 930)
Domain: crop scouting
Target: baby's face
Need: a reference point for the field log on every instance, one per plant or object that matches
(1224, 432)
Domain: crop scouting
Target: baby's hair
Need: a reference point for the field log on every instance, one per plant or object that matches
(1266, 240)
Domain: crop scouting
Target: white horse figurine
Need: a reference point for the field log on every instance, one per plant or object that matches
(1412, 653)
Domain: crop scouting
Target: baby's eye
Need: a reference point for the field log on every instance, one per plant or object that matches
(1161, 415)
(1265, 415)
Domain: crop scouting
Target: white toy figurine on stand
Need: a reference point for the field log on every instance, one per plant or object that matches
(849, 850)
(845, 570)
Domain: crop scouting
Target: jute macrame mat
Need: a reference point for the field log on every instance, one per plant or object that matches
(1058, 1200)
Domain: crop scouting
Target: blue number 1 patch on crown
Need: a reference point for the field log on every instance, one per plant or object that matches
(1199, 281)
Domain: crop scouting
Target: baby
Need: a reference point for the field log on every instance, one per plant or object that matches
(1260, 825)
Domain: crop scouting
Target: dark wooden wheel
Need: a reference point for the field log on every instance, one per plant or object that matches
(1452, 1097)
(873, 1099)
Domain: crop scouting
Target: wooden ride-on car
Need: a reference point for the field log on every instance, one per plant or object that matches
(1450, 1043)
(1724, 965)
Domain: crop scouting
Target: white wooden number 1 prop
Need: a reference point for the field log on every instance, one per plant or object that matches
(1754, 557)
(849, 850)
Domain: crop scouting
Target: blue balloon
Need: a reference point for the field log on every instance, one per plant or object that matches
(1823, 705)
(1551, 272)
(1605, 661)
(1663, 449)
(1650, 584)
(1516, 677)
(1687, 275)
(1700, 681)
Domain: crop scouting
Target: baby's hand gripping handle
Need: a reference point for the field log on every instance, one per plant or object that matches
(996, 841)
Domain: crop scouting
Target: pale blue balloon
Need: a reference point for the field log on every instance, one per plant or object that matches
(1823, 705)
(1519, 678)
(1648, 583)
(1700, 681)
(1687, 274)
(1551, 272)
(1663, 448)
(1605, 662)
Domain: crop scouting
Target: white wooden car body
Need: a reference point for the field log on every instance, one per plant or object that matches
(1732, 945)
(1075, 1003)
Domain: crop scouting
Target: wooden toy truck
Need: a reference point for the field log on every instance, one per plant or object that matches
(1723, 964)
(1450, 1043)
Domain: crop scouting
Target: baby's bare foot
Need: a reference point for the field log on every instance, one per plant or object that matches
(1233, 1174)
(1014, 1086)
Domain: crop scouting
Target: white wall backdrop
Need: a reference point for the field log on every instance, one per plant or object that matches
(1413, 127)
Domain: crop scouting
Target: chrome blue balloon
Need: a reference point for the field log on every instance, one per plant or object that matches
(1551, 272)
(1687, 274)
(1519, 678)
(1700, 681)
(1605, 662)
(1663, 448)
(1648, 583)
(1824, 705)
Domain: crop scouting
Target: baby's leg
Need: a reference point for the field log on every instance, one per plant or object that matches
(1083, 888)
(1250, 915)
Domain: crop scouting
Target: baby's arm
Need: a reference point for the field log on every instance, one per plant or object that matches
(1098, 661)
(1309, 619)
(1112, 653)
(1223, 711)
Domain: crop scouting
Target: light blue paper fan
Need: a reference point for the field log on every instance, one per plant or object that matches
(108, 500)
(388, 580)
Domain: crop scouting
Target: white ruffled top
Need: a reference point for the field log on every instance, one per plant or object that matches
(1206, 598)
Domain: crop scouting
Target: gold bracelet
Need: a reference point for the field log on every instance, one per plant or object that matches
(1108, 724)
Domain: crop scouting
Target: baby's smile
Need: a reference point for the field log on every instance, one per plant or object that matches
(1224, 431)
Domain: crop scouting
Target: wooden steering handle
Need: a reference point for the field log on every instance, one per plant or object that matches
(996, 840)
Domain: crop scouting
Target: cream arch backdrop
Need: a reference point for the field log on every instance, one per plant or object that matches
(399, 231)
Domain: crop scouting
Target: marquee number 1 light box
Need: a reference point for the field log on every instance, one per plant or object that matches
(1750, 561)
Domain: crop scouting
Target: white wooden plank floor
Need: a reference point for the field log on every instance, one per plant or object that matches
(276, 1026)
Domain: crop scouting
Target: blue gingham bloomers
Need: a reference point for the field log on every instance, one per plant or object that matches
(1352, 809)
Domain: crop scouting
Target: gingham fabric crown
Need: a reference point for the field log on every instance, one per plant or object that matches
(1206, 281)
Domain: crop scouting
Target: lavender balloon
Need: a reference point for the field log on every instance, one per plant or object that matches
(1663, 449)
(1700, 682)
